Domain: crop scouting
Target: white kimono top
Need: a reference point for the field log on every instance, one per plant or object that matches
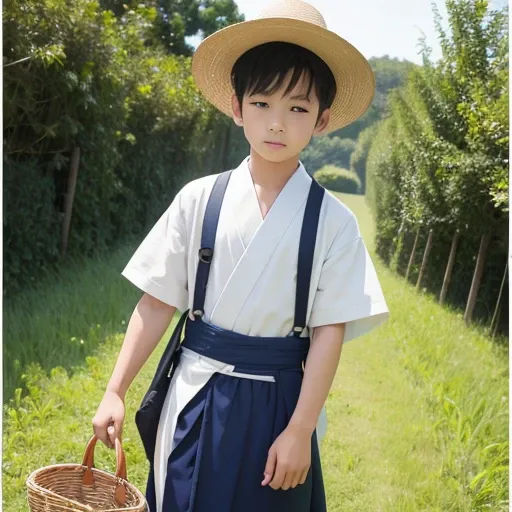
(251, 287)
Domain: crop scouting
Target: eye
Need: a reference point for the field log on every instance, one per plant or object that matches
(260, 104)
(299, 109)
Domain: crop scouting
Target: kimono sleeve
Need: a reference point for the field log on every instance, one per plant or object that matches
(159, 265)
(349, 289)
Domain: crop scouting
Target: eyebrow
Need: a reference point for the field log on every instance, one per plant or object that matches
(300, 97)
(303, 97)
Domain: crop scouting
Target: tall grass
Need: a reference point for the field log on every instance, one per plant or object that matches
(62, 320)
(446, 425)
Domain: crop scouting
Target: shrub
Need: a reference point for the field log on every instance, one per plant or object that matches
(327, 151)
(90, 80)
(338, 180)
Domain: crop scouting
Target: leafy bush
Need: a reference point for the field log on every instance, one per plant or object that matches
(30, 220)
(338, 180)
(79, 76)
(327, 150)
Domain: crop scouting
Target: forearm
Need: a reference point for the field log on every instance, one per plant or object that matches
(146, 327)
(321, 364)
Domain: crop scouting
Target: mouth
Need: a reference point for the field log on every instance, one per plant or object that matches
(275, 144)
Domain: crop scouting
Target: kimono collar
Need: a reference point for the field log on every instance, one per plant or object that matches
(256, 238)
(299, 181)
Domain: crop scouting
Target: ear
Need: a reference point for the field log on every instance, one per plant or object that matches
(322, 122)
(237, 111)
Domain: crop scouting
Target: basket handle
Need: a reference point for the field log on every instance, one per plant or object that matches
(88, 478)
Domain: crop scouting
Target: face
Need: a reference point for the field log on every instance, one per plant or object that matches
(279, 127)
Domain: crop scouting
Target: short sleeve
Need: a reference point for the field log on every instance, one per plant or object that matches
(159, 265)
(349, 289)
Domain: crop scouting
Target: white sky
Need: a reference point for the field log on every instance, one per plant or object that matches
(376, 27)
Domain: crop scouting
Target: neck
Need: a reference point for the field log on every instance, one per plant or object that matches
(272, 175)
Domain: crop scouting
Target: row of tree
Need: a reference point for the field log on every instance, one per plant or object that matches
(439, 161)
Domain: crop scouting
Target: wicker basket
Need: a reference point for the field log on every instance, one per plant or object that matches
(83, 488)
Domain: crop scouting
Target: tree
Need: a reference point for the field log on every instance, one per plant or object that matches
(389, 74)
(178, 19)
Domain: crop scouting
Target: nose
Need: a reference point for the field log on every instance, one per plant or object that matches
(276, 124)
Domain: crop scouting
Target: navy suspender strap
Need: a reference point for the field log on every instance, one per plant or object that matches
(210, 223)
(306, 254)
(148, 414)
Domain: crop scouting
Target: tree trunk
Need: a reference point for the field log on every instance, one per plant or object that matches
(70, 196)
(497, 309)
(477, 277)
(425, 259)
(413, 252)
(449, 267)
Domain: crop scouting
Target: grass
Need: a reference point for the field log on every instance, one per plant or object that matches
(418, 413)
(64, 319)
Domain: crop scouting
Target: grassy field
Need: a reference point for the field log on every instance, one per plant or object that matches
(418, 414)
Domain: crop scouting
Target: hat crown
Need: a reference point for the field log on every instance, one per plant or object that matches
(294, 9)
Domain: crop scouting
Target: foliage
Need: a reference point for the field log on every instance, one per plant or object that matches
(78, 76)
(360, 154)
(440, 160)
(338, 180)
(30, 220)
(177, 19)
(390, 73)
(327, 151)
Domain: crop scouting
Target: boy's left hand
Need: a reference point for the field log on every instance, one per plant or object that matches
(289, 459)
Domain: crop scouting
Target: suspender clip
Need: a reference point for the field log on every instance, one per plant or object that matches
(205, 255)
(298, 329)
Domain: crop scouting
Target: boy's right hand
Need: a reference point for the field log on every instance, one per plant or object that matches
(108, 420)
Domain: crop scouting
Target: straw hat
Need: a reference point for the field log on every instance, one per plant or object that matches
(292, 21)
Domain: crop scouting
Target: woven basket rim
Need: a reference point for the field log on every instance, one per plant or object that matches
(33, 486)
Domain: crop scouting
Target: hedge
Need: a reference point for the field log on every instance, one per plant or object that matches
(338, 180)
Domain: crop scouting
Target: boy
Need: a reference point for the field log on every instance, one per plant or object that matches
(282, 281)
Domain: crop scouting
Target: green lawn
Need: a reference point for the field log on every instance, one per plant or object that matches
(418, 414)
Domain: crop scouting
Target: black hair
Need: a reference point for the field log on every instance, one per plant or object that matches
(255, 72)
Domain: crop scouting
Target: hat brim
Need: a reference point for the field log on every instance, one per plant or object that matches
(215, 56)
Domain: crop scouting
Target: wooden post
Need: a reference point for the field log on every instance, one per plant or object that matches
(497, 309)
(70, 196)
(425, 258)
(449, 267)
(477, 277)
(497, 323)
(413, 252)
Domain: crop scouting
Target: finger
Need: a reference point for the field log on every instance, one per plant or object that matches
(100, 433)
(118, 426)
(296, 479)
(269, 467)
(304, 476)
(279, 477)
(111, 435)
(288, 480)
